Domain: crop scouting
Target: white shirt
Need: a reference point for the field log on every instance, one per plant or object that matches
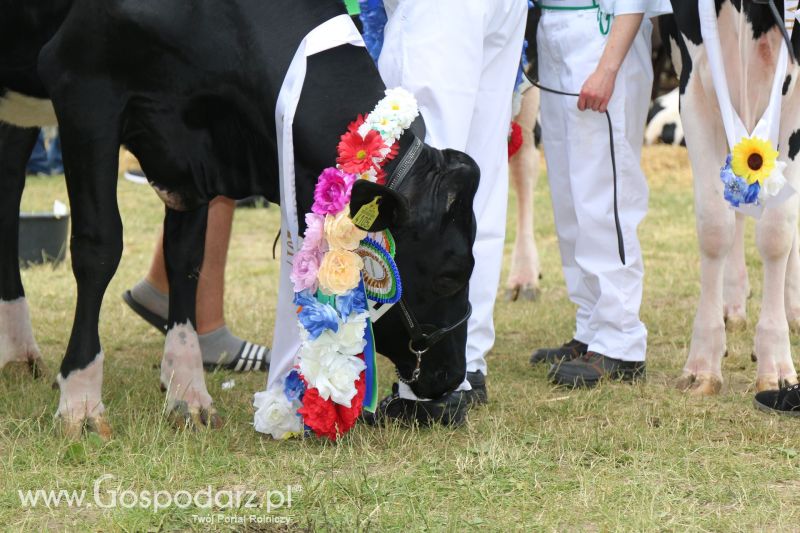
(650, 8)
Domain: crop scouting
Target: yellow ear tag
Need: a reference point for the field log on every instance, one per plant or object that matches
(368, 214)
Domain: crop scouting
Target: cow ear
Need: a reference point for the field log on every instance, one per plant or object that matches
(375, 207)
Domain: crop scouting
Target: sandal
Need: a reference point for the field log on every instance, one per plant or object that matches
(158, 322)
(250, 357)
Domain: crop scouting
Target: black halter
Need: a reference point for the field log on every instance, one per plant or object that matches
(423, 336)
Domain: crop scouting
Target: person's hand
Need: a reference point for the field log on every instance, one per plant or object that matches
(597, 90)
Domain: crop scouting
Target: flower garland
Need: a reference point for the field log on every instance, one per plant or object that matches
(325, 391)
(752, 172)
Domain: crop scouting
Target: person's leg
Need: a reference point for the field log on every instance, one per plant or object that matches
(54, 158)
(487, 144)
(218, 344)
(617, 348)
(37, 164)
(615, 318)
(452, 51)
(557, 145)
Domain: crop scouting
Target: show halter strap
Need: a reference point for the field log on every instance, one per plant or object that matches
(768, 126)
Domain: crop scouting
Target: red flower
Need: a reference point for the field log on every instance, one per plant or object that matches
(514, 139)
(318, 414)
(353, 127)
(356, 154)
(329, 419)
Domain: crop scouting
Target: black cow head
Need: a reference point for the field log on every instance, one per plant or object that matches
(431, 217)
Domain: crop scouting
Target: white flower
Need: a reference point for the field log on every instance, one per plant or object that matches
(384, 124)
(333, 374)
(351, 334)
(776, 180)
(348, 340)
(391, 116)
(401, 105)
(364, 128)
(369, 175)
(276, 415)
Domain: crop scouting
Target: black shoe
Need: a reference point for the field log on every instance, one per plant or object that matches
(569, 351)
(592, 367)
(478, 395)
(449, 411)
(784, 402)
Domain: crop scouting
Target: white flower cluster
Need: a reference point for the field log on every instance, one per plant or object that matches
(276, 415)
(393, 115)
(331, 363)
(773, 184)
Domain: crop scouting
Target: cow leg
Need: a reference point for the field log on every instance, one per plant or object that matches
(182, 376)
(702, 374)
(17, 344)
(523, 280)
(90, 146)
(792, 294)
(736, 289)
(716, 226)
(775, 234)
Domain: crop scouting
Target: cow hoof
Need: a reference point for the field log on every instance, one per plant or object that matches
(527, 293)
(17, 344)
(76, 427)
(767, 383)
(699, 385)
(185, 417)
(735, 323)
(34, 366)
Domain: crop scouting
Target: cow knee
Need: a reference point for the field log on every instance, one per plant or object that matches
(715, 236)
(96, 256)
(775, 233)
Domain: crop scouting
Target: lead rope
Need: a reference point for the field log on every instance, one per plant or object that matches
(620, 240)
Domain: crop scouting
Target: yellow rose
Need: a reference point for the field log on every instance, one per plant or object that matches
(341, 233)
(340, 271)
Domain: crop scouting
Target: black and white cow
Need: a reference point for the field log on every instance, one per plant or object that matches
(190, 87)
(664, 121)
(750, 40)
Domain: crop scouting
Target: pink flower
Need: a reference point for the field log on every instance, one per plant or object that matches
(315, 229)
(332, 192)
(305, 269)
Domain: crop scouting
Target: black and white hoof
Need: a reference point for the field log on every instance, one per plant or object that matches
(17, 345)
(80, 408)
(188, 401)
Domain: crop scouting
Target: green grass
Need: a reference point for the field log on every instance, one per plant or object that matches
(621, 457)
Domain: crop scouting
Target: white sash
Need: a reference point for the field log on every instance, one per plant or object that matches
(337, 31)
(768, 127)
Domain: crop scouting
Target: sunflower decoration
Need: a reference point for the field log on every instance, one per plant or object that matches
(754, 160)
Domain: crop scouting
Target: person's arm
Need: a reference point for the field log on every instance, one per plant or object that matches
(599, 86)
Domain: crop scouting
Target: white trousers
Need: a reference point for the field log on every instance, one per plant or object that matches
(576, 146)
(460, 59)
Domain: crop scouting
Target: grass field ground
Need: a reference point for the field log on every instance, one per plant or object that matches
(620, 457)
